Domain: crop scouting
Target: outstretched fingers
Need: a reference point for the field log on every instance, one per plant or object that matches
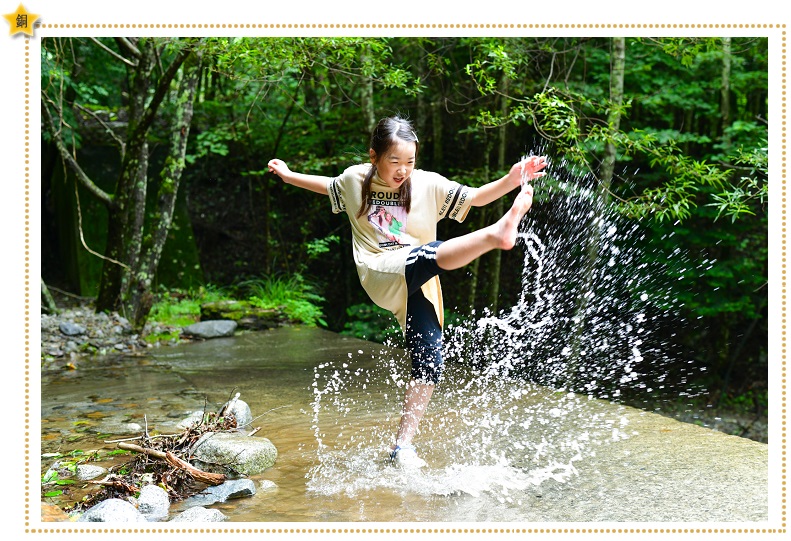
(531, 167)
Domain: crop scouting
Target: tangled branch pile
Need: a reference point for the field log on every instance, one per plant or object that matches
(164, 461)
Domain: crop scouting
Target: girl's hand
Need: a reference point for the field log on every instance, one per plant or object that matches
(528, 169)
(279, 168)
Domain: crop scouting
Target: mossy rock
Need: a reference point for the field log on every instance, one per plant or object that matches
(246, 315)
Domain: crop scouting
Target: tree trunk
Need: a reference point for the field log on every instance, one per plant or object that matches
(614, 116)
(125, 267)
(725, 91)
(422, 104)
(140, 299)
(618, 61)
(498, 207)
(367, 98)
(126, 218)
(436, 132)
(47, 302)
(483, 217)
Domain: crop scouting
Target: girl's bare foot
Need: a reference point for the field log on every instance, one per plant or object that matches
(507, 227)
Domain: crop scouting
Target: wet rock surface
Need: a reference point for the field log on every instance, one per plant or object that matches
(236, 453)
(213, 328)
(113, 510)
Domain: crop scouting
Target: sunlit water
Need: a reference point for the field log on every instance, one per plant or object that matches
(494, 449)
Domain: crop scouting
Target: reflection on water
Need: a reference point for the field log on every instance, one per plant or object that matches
(331, 404)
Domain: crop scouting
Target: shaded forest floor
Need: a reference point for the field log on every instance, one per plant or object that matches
(111, 334)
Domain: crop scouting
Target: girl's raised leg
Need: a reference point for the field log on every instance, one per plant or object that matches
(460, 251)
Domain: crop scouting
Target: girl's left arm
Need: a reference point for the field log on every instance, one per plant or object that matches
(525, 170)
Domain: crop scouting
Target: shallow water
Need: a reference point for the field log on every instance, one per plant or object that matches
(497, 450)
(484, 448)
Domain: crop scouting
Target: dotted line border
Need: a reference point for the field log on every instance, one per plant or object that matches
(438, 531)
(419, 26)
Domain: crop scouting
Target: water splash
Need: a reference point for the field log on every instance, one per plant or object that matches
(598, 308)
(482, 435)
(527, 392)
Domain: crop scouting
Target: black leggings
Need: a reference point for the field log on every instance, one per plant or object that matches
(423, 331)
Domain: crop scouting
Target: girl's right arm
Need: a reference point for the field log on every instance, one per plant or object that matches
(314, 183)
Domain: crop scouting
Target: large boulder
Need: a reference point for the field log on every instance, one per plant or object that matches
(153, 502)
(214, 328)
(233, 453)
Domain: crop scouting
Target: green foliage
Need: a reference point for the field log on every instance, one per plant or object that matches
(746, 194)
(176, 307)
(316, 247)
(211, 142)
(367, 321)
(293, 294)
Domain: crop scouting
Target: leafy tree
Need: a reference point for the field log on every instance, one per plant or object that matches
(160, 78)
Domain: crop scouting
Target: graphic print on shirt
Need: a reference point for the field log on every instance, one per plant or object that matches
(388, 218)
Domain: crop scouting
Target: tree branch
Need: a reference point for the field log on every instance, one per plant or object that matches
(128, 46)
(173, 460)
(113, 53)
(101, 121)
(82, 177)
(162, 89)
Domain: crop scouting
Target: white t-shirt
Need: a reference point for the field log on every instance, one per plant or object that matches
(383, 237)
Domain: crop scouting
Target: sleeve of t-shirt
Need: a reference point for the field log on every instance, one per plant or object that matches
(334, 189)
(453, 199)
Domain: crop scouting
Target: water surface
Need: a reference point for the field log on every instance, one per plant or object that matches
(498, 450)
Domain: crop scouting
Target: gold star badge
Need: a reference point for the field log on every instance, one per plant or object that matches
(21, 21)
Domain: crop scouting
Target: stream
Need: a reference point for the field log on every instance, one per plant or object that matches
(498, 450)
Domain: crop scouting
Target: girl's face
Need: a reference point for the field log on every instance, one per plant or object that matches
(396, 164)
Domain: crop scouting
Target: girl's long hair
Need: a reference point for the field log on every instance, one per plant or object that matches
(387, 132)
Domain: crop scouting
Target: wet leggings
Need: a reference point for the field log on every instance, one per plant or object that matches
(423, 331)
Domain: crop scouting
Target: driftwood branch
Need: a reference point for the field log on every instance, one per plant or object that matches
(173, 460)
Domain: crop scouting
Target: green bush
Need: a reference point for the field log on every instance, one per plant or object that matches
(370, 322)
(176, 307)
(292, 293)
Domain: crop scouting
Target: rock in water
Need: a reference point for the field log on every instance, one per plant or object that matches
(246, 455)
(200, 514)
(215, 328)
(112, 510)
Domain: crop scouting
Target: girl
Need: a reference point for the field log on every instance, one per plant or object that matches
(399, 267)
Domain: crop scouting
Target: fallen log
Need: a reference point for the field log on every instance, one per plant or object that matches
(173, 460)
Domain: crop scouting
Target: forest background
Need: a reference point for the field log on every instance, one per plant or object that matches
(156, 198)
